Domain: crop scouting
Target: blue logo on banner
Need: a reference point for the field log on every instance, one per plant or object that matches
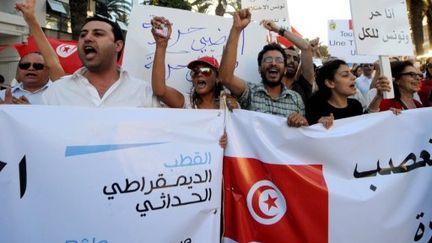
(92, 149)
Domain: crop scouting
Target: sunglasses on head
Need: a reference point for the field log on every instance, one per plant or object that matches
(205, 71)
(27, 65)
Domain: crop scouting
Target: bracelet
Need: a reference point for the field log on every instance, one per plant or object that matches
(281, 31)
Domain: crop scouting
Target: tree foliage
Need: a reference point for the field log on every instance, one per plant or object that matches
(78, 11)
(114, 10)
(179, 4)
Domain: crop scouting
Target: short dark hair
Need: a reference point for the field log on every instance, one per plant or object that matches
(118, 34)
(271, 47)
(397, 70)
(2, 79)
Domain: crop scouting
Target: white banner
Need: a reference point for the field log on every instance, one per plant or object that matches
(341, 42)
(194, 35)
(109, 175)
(381, 27)
(154, 175)
(367, 179)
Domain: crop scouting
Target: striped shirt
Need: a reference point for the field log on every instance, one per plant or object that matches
(256, 98)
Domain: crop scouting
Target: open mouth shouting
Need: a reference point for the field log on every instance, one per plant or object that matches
(89, 52)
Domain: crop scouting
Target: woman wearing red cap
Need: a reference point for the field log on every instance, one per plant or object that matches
(207, 91)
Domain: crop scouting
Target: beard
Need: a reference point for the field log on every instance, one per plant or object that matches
(271, 84)
(290, 75)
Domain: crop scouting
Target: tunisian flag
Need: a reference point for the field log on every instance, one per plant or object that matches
(266, 202)
(272, 193)
(66, 50)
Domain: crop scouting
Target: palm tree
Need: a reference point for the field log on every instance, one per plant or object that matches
(179, 4)
(428, 14)
(115, 10)
(223, 5)
(78, 11)
(201, 6)
(415, 15)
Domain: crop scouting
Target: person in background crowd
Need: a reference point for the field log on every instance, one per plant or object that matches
(51, 59)
(425, 89)
(364, 81)
(36, 68)
(33, 77)
(269, 96)
(300, 72)
(356, 70)
(2, 83)
(101, 82)
(405, 84)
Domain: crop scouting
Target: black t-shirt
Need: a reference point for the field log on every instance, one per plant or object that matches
(303, 87)
(317, 108)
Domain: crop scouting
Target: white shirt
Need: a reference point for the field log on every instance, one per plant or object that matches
(76, 90)
(363, 83)
(34, 97)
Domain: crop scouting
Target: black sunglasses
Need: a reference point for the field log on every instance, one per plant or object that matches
(413, 74)
(27, 65)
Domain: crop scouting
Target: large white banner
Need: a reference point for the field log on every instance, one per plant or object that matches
(381, 27)
(109, 175)
(367, 179)
(194, 35)
(154, 175)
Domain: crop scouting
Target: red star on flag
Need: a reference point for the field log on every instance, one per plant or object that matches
(271, 202)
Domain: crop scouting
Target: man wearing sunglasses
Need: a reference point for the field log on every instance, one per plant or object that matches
(271, 95)
(33, 80)
(101, 82)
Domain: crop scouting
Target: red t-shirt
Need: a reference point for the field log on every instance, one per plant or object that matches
(386, 104)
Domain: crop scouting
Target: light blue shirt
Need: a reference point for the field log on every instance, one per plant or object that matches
(35, 97)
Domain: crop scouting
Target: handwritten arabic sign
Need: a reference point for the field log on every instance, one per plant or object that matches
(275, 10)
(341, 42)
(133, 177)
(194, 35)
(381, 27)
(380, 193)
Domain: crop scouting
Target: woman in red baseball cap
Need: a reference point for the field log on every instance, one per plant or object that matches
(207, 92)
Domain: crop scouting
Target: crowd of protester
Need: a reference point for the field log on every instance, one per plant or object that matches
(290, 86)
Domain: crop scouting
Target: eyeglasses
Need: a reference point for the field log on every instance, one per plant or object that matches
(367, 65)
(271, 59)
(413, 74)
(429, 65)
(27, 65)
(205, 71)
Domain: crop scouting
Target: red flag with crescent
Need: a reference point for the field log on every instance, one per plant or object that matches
(66, 51)
(266, 202)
